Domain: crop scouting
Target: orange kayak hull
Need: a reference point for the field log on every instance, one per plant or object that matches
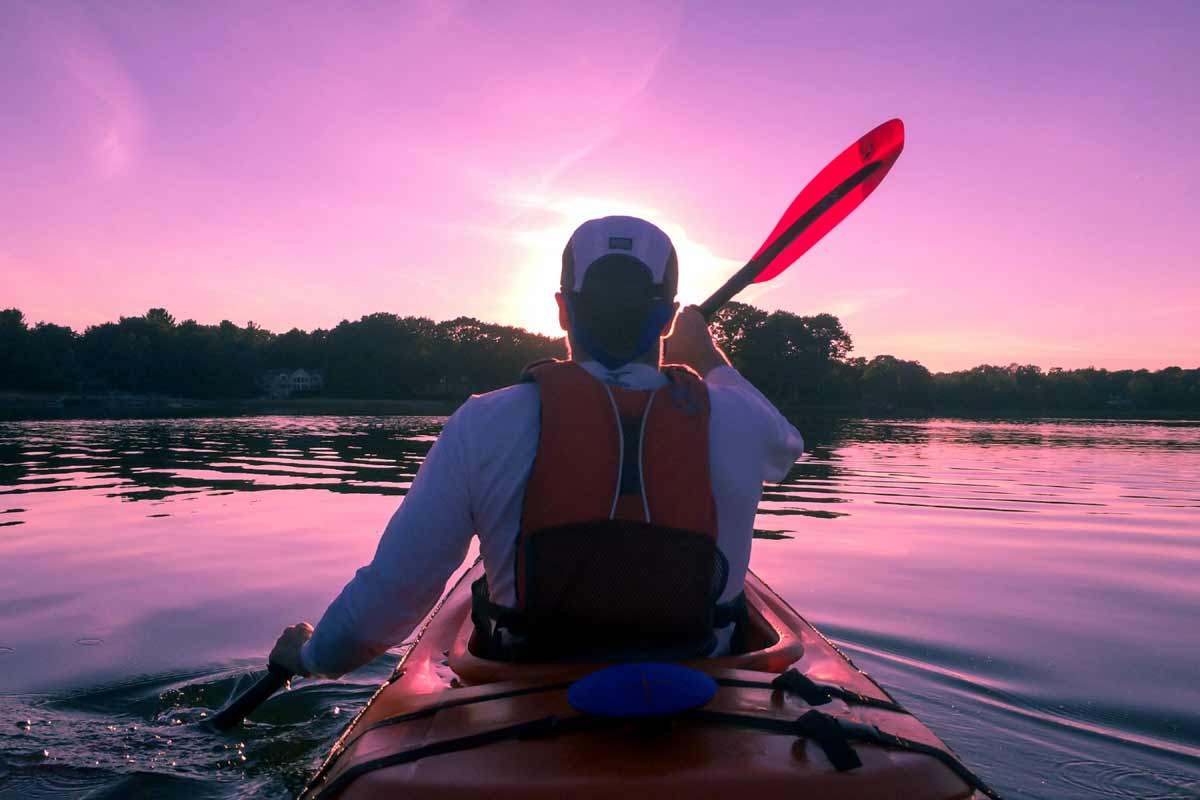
(442, 692)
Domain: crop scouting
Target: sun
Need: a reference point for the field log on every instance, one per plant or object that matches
(530, 302)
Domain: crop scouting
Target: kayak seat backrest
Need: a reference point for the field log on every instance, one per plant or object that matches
(756, 638)
(619, 589)
(612, 589)
(769, 641)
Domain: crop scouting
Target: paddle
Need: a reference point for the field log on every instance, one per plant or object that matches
(823, 203)
(252, 698)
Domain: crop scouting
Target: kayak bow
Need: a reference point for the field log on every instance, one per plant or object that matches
(791, 715)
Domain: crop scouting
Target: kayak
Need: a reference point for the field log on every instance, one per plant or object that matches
(790, 715)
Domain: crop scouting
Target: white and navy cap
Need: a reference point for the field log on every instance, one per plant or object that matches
(621, 240)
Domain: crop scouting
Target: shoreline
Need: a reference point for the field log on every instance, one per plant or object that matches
(53, 406)
(60, 406)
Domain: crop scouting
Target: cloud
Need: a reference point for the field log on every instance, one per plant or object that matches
(618, 107)
(104, 94)
(849, 306)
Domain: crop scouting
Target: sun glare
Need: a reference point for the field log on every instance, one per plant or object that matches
(530, 302)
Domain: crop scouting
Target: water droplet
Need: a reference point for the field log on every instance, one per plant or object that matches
(89, 641)
(45, 754)
(24, 724)
(336, 710)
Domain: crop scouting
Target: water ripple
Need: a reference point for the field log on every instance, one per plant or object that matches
(1028, 588)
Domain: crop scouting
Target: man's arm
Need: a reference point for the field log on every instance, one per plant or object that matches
(781, 444)
(426, 539)
(691, 344)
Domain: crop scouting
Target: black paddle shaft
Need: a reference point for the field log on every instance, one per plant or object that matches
(245, 703)
(746, 275)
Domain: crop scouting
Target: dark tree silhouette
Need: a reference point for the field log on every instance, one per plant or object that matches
(792, 359)
(896, 383)
(796, 361)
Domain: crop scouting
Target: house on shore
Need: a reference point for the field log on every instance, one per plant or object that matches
(287, 382)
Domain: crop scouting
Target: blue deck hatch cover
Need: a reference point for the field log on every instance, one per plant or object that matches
(641, 689)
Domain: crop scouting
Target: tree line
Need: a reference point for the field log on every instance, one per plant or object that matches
(797, 361)
(379, 355)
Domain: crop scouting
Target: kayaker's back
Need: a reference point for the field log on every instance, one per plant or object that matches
(496, 434)
(616, 304)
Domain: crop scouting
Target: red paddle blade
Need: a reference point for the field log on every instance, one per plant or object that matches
(830, 197)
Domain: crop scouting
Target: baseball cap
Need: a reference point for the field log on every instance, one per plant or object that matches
(601, 242)
(619, 277)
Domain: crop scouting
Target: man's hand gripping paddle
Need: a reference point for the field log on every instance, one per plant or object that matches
(824, 202)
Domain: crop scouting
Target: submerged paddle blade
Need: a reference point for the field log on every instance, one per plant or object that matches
(830, 197)
(245, 703)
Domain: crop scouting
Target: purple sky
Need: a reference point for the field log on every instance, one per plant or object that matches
(296, 164)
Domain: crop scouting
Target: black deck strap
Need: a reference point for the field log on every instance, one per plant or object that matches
(796, 682)
(821, 728)
(815, 694)
(792, 681)
(430, 710)
(826, 730)
(536, 728)
(832, 734)
(869, 733)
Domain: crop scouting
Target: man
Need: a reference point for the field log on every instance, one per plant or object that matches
(640, 479)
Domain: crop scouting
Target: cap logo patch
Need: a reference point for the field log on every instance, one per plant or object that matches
(620, 243)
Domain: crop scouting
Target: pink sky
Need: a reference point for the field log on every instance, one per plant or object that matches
(296, 164)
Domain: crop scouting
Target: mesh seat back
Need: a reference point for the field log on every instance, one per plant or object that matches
(620, 589)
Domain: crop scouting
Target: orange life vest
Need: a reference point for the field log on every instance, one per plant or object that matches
(617, 551)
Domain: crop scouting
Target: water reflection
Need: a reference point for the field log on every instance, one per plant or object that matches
(1027, 588)
(150, 460)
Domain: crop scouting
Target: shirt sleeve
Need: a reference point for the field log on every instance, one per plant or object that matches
(782, 444)
(426, 539)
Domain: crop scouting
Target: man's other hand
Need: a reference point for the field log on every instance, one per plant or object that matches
(691, 344)
(286, 653)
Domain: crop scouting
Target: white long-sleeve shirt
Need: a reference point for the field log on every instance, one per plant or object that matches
(473, 482)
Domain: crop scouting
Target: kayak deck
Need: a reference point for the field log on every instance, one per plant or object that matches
(450, 724)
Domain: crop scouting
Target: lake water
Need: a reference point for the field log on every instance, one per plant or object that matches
(1030, 590)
